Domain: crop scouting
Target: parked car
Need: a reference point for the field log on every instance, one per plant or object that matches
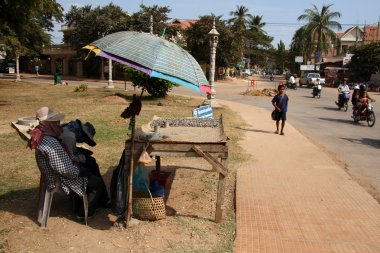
(246, 72)
(309, 79)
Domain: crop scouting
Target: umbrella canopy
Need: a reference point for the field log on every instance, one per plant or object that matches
(154, 56)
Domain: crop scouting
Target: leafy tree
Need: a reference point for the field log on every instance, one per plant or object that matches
(198, 41)
(140, 21)
(257, 42)
(320, 25)
(24, 25)
(302, 44)
(156, 87)
(366, 61)
(281, 56)
(238, 26)
(91, 24)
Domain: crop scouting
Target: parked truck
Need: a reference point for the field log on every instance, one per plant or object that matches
(309, 79)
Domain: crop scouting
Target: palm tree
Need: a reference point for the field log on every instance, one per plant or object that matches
(239, 25)
(255, 24)
(240, 16)
(320, 25)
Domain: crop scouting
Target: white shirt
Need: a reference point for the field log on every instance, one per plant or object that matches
(291, 79)
(343, 88)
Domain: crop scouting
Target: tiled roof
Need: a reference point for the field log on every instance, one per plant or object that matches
(182, 23)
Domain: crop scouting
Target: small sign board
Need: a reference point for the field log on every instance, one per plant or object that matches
(11, 70)
(299, 59)
(307, 67)
(346, 60)
(203, 112)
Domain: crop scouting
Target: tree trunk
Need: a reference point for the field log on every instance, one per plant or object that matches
(318, 53)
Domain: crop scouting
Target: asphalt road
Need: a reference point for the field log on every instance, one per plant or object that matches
(354, 144)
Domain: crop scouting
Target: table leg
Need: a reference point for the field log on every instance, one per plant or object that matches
(158, 163)
(221, 193)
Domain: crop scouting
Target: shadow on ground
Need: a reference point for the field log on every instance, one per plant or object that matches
(255, 130)
(364, 141)
(346, 121)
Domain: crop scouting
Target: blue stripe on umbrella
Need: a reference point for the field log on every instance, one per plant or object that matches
(175, 80)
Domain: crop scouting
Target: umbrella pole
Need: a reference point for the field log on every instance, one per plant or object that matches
(131, 164)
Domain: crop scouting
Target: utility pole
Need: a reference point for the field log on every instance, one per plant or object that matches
(356, 39)
(151, 24)
(377, 32)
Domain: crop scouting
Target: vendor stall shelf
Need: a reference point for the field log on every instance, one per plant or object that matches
(192, 137)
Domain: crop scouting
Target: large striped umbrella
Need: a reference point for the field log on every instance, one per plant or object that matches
(154, 56)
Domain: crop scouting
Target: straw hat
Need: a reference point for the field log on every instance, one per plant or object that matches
(45, 113)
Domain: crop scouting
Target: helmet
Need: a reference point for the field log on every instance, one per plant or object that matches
(356, 87)
(363, 87)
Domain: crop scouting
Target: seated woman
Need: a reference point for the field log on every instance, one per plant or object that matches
(54, 160)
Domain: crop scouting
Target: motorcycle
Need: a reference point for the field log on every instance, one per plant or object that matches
(343, 101)
(291, 85)
(271, 78)
(317, 90)
(367, 113)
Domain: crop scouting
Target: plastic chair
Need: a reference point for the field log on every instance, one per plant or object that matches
(46, 198)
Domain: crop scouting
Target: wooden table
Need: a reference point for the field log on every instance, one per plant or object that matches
(216, 153)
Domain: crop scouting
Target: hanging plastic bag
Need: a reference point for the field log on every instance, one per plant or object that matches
(118, 188)
(140, 178)
(145, 157)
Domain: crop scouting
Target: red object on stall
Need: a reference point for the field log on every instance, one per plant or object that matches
(162, 177)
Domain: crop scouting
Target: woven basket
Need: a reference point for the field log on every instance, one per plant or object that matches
(147, 207)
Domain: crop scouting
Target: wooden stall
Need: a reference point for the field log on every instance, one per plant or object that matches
(184, 141)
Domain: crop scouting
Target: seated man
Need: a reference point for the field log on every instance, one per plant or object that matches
(54, 160)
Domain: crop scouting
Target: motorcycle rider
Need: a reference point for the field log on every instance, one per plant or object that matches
(361, 99)
(292, 80)
(354, 99)
(317, 87)
(342, 89)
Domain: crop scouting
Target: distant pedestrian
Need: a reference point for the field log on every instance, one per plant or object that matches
(280, 103)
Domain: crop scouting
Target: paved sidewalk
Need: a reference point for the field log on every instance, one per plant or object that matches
(294, 198)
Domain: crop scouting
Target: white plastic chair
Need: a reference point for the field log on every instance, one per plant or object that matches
(46, 198)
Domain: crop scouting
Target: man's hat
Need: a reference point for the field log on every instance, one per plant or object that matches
(45, 113)
(89, 131)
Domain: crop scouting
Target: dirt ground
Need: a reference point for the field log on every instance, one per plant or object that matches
(189, 226)
(190, 205)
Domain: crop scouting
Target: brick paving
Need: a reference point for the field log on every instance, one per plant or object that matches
(294, 198)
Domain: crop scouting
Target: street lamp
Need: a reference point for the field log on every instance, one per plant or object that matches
(110, 82)
(214, 38)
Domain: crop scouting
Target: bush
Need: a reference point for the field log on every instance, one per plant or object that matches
(81, 88)
(157, 88)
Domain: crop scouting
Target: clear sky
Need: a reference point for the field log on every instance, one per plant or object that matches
(280, 15)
